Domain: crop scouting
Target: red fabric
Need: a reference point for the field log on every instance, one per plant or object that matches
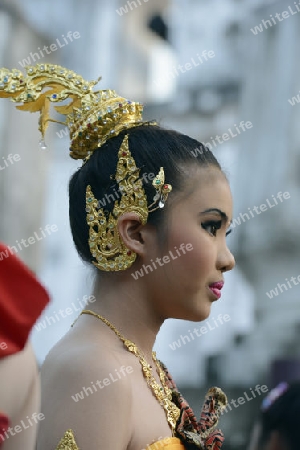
(22, 299)
(4, 424)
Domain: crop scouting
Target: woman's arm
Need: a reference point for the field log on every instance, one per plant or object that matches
(20, 398)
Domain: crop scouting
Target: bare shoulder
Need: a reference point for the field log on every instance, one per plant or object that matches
(86, 387)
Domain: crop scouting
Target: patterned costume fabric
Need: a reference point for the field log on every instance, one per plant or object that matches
(199, 435)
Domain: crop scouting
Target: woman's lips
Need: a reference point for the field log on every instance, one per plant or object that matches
(216, 288)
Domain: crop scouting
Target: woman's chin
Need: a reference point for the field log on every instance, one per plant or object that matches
(197, 315)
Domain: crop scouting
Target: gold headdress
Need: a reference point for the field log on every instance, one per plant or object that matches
(92, 118)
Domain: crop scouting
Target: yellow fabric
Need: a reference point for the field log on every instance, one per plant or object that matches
(167, 444)
(68, 443)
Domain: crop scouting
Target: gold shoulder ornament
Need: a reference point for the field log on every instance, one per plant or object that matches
(92, 118)
(67, 442)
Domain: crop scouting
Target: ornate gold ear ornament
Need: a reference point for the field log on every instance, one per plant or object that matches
(105, 243)
(92, 118)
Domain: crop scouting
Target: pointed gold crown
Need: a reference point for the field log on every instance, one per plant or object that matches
(92, 117)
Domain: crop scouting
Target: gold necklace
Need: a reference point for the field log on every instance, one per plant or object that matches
(163, 394)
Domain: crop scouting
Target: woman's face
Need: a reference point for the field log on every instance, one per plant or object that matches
(195, 254)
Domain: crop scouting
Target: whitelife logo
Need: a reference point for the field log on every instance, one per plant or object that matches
(242, 400)
(162, 261)
(198, 332)
(9, 160)
(279, 17)
(24, 424)
(112, 198)
(63, 313)
(3, 345)
(270, 203)
(230, 134)
(41, 53)
(38, 236)
(131, 4)
(292, 101)
(274, 292)
(112, 377)
(183, 68)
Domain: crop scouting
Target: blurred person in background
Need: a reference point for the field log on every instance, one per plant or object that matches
(22, 299)
(279, 422)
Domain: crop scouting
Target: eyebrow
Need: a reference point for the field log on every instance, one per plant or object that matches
(223, 215)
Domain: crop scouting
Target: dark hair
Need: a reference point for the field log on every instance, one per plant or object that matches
(283, 416)
(152, 147)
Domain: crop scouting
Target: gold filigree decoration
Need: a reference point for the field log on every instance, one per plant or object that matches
(105, 243)
(92, 117)
(67, 442)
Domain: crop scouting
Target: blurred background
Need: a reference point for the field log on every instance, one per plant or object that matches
(223, 71)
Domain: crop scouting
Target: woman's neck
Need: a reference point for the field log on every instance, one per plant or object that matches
(126, 305)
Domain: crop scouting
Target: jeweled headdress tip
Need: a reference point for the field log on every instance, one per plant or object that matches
(92, 117)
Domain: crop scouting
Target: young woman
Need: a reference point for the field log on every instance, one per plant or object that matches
(152, 219)
(278, 425)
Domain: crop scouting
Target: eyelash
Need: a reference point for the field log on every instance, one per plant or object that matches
(215, 224)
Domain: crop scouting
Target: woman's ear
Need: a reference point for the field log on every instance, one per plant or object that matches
(132, 232)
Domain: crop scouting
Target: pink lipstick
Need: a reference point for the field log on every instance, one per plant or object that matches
(216, 288)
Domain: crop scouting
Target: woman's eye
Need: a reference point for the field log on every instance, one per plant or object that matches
(212, 227)
(229, 231)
